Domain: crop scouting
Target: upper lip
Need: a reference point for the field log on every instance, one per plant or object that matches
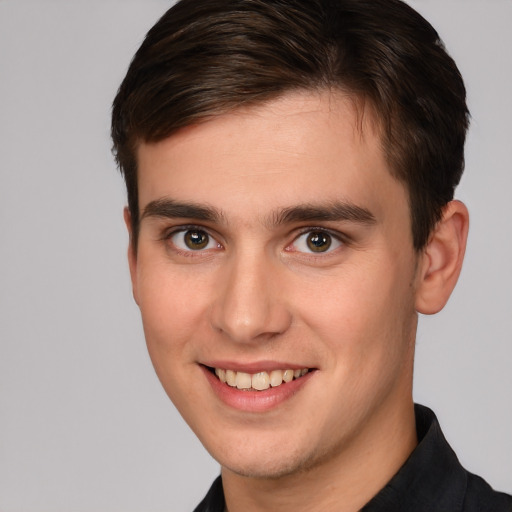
(255, 366)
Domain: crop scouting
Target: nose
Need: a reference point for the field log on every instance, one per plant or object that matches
(250, 305)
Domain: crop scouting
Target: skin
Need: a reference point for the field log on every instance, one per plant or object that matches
(257, 295)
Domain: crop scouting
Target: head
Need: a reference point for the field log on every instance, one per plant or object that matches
(290, 167)
(203, 59)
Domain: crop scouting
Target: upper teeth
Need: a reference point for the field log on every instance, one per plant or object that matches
(260, 380)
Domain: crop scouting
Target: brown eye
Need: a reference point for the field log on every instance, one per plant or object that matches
(318, 241)
(196, 239)
(315, 241)
(192, 239)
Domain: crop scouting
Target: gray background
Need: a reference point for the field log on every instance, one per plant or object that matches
(84, 424)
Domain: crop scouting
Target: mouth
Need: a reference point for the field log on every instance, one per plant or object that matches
(257, 387)
(259, 381)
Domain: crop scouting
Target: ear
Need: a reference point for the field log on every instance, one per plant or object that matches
(442, 258)
(132, 253)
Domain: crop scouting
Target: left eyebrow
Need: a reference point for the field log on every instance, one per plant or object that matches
(337, 211)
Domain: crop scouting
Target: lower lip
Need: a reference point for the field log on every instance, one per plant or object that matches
(255, 401)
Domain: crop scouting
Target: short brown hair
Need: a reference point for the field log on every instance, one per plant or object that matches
(204, 58)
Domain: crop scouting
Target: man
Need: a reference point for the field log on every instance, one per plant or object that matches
(290, 168)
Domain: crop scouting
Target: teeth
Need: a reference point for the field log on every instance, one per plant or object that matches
(221, 374)
(288, 375)
(243, 380)
(261, 381)
(276, 378)
(231, 378)
(258, 381)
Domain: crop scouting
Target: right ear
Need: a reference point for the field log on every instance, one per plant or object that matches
(132, 253)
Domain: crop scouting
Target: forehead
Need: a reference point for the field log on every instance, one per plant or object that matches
(305, 147)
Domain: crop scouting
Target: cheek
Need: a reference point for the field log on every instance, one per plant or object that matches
(172, 305)
(364, 315)
(171, 315)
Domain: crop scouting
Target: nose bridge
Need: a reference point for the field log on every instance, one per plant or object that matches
(248, 306)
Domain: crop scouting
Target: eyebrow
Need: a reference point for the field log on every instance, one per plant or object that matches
(333, 211)
(169, 208)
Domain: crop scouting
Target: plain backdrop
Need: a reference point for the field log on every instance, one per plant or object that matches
(84, 423)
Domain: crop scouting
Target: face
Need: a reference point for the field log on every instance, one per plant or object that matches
(275, 251)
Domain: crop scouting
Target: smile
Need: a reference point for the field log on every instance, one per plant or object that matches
(259, 381)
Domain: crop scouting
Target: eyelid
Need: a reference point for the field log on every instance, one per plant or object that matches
(167, 232)
(335, 235)
(183, 228)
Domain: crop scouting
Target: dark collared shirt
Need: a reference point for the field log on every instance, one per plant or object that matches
(431, 480)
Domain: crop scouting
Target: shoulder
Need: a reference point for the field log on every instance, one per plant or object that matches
(480, 497)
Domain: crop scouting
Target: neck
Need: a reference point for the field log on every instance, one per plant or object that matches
(344, 482)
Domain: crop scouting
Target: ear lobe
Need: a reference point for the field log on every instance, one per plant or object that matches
(442, 259)
(132, 253)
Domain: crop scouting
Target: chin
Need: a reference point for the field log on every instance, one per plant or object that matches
(271, 470)
(267, 463)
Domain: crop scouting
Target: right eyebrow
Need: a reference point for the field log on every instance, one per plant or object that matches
(171, 209)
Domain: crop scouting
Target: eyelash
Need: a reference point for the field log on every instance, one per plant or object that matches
(338, 238)
(183, 230)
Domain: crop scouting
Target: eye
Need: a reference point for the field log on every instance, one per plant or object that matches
(316, 241)
(193, 240)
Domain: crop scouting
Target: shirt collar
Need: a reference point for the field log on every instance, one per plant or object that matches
(430, 479)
